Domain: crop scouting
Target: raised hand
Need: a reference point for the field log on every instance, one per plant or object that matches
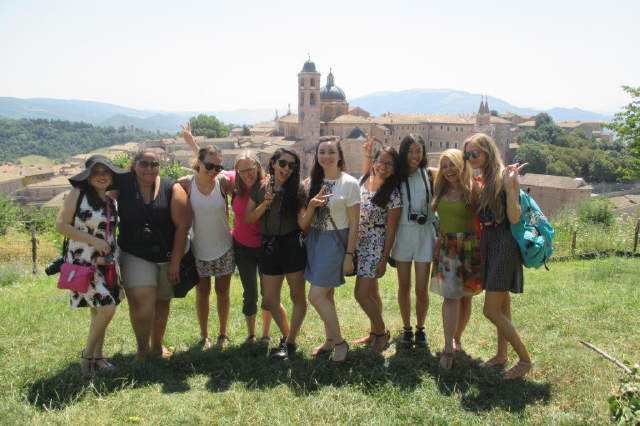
(320, 199)
(368, 146)
(511, 176)
(186, 132)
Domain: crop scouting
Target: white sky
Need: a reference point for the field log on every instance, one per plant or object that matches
(220, 55)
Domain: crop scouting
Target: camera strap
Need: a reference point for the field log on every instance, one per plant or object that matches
(427, 189)
(65, 242)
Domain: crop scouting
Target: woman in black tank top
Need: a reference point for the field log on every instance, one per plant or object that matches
(154, 221)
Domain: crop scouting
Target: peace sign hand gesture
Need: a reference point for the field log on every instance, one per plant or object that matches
(186, 132)
(510, 178)
(368, 146)
(320, 199)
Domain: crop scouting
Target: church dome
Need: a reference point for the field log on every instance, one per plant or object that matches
(309, 66)
(331, 92)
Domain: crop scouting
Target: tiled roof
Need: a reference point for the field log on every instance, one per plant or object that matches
(289, 118)
(351, 119)
(576, 123)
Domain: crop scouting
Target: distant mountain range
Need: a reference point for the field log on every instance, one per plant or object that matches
(440, 101)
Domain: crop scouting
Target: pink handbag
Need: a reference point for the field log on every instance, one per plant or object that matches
(75, 277)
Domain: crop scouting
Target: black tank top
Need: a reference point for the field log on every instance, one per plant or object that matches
(146, 230)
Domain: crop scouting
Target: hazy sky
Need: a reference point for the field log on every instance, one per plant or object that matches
(213, 55)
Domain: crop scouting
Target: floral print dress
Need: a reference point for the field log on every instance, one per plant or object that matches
(372, 230)
(94, 222)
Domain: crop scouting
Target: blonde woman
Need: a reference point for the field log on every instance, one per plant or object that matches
(498, 206)
(456, 262)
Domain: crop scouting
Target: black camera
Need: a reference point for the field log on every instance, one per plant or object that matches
(420, 218)
(54, 268)
(146, 233)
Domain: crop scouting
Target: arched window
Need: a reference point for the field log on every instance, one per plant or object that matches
(313, 82)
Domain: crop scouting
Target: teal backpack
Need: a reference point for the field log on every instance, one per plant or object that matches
(533, 233)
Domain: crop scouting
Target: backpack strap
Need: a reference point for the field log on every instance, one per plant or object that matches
(65, 242)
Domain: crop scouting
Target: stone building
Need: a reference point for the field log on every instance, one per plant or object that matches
(554, 192)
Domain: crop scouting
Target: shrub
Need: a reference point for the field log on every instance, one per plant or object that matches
(596, 210)
(10, 214)
(624, 405)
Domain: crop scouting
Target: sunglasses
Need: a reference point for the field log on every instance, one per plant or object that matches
(146, 164)
(284, 163)
(475, 154)
(385, 163)
(210, 166)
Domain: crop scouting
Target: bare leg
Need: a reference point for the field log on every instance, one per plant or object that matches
(203, 290)
(463, 320)
(494, 310)
(271, 286)
(320, 298)
(404, 292)
(297, 293)
(369, 304)
(222, 285)
(450, 315)
(100, 319)
(142, 306)
(159, 327)
(422, 271)
(251, 324)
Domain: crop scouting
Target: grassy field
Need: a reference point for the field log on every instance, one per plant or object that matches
(41, 339)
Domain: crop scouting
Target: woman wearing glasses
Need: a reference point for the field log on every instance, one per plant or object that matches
(278, 204)
(498, 206)
(380, 209)
(154, 221)
(211, 242)
(246, 244)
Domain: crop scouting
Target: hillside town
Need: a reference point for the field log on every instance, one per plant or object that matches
(324, 110)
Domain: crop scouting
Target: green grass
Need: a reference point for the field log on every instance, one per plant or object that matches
(41, 338)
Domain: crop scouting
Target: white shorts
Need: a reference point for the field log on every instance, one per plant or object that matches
(414, 242)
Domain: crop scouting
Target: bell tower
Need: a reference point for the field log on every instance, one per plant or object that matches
(309, 104)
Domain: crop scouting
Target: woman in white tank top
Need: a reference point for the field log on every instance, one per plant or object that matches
(211, 242)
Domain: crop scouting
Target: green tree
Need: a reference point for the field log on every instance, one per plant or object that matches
(559, 168)
(626, 124)
(209, 126)
(245, 130)
(494, 113)
(535, 155)
(542, 119)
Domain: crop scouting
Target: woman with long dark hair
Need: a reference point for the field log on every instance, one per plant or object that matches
(498, 206)
(380, 209)
(88, 218)
(331, 221)
(279, 205)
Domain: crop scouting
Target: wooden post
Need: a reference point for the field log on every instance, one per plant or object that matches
(573, 242)
(34, 251)
(635, 236)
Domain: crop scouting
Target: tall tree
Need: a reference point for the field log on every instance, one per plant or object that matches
(209, 126)
(626, 124)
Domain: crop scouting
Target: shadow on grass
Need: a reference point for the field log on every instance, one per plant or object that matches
(249, 364)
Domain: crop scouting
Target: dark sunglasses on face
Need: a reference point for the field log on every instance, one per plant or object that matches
(146, 164)
(468, 154)
(210, 166)
(283, 163)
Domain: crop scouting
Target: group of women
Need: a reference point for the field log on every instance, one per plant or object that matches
(440, 220)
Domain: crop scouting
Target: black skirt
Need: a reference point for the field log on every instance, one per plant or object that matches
(501, 260)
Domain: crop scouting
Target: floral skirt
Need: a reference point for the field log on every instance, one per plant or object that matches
(456, 270)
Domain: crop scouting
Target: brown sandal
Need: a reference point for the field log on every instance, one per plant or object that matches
(380, 341)
(494, 363)
(518, 371)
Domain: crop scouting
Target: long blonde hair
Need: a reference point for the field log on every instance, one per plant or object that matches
(239, 186)
(441, 184)
(492, 186)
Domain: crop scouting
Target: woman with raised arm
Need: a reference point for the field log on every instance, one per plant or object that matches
(279, 206)
(246, 175)
(88, 218)
(498, 206)
(212, 242)
(456, 262)
(331, 221)
(155, 218)
(380, 209)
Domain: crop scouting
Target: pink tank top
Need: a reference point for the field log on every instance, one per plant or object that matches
(247, 235)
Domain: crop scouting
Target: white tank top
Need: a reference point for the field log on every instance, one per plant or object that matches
(211, 234)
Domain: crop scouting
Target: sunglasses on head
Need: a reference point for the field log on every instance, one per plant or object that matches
(211, 166)
(468, 154)
(284, 163)
(146, 164)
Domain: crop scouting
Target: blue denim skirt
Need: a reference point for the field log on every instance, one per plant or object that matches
(325, 255)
